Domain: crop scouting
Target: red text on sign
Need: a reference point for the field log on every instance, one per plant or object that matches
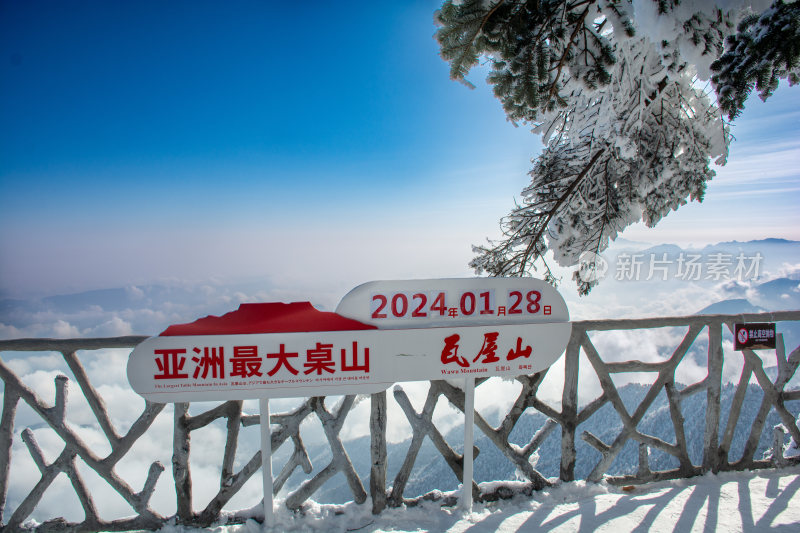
(465, 304)
(170, 363)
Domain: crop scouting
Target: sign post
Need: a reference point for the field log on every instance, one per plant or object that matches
(383, 332)
(469, 431)
(266, 462)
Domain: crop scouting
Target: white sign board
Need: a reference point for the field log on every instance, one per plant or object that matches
(237, 367)
(429, 329)
(454, 302)
(426, 329)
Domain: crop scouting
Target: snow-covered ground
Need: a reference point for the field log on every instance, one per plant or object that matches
(765, 500)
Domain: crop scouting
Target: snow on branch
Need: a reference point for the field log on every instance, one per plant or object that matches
(612, 88)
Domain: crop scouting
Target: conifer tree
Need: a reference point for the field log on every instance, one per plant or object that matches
(611, 86)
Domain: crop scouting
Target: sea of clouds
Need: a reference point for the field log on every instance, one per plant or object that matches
(148, 309)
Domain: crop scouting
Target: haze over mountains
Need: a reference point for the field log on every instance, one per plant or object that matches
(634, 286)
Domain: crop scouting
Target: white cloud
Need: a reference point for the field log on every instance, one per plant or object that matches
(65, 330)
(116, 327)
(790, 271)
(134, 292)
(735, 289)
(9, 332)
(27, 362)
(761, 169)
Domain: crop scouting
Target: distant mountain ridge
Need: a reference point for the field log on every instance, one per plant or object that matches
(148, 309)
(622, 244)
(769, 241)
(144, 309)
(731, 307)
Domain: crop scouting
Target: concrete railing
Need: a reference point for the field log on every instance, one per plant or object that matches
(573, 411)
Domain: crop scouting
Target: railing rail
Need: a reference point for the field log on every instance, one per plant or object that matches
(286, 427)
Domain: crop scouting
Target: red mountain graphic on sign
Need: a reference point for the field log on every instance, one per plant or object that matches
(267, 318)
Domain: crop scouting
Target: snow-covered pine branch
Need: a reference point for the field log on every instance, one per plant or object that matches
(611, 85)
(765, 49)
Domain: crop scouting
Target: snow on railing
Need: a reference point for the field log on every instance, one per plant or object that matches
(286, 427)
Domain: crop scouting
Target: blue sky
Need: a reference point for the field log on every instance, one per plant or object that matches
(306, 143)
